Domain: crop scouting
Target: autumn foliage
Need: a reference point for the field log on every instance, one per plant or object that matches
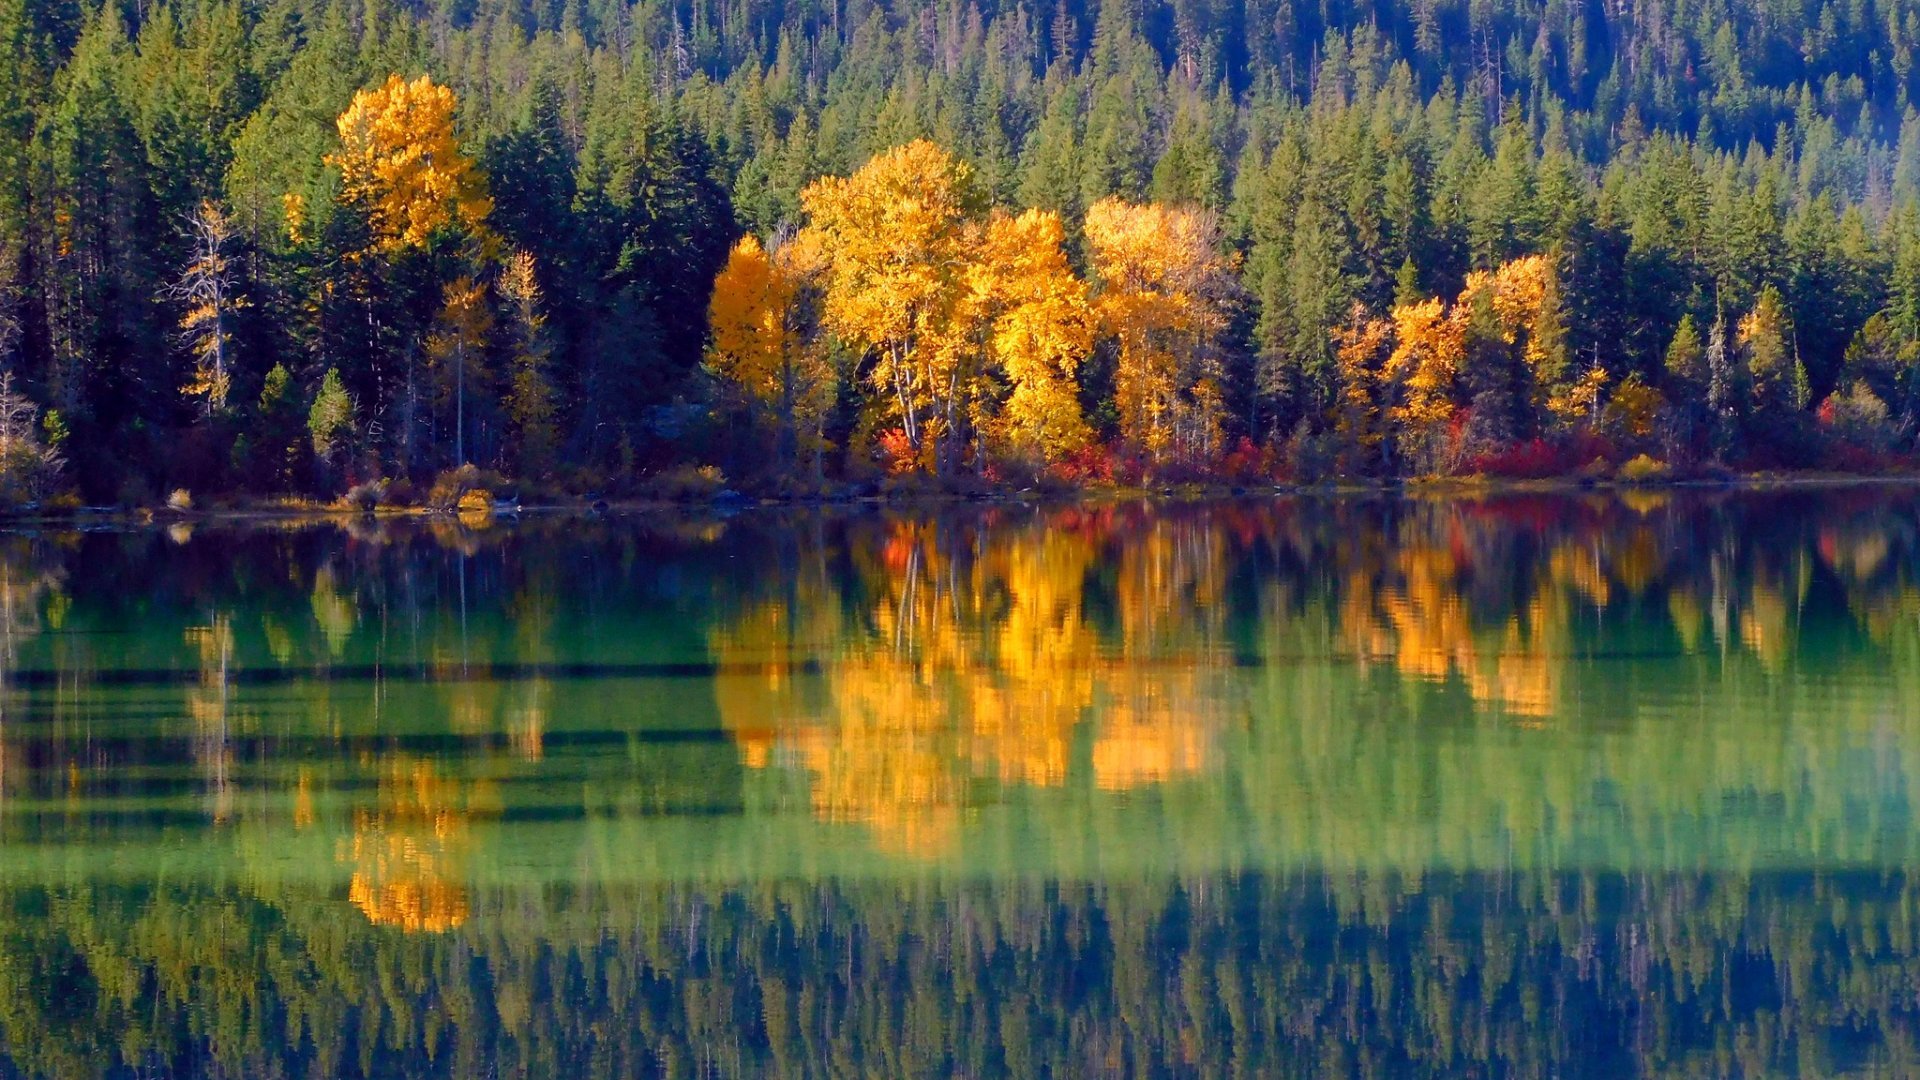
(977, 340)
(969, 330)
(400, 163)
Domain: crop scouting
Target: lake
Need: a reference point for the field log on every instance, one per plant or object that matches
(1531, 785)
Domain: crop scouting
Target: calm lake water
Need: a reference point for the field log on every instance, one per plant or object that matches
(1528, 786)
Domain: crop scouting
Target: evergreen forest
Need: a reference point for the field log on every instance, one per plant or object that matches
(326, 248)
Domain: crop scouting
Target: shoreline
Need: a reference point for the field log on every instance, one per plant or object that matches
(731, 502)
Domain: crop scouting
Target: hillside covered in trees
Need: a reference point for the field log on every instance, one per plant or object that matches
(289, 246)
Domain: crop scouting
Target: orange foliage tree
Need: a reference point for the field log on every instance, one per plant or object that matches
(1160, 274)
(759, 342)
(902, 235)
(402, 167)
(1042, 328)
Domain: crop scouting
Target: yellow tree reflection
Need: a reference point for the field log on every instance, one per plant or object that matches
(207, 705)
(974, 656)
(1163, 689)
(409, 852)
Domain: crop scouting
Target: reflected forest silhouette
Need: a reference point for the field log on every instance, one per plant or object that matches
(1523, 785)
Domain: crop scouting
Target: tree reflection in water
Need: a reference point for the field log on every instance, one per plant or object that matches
(1593, 785)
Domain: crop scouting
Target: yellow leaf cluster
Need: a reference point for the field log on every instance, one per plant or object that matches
(1159, 269)
(1428, 344)
(1360, 349)
(401, 165)
(748, 316)
(899, 237)
(293, 209)
(1515, 289)
(1635, 405)
(1042, 328)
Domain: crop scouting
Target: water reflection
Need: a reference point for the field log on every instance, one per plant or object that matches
(952, 654)
(1531, 785)
(408, 852)
(1534, 975)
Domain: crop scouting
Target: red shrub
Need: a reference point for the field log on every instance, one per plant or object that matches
(1247, 463)
(1091, 464)
(897, 452)
(1531, 460)
(1542, 459)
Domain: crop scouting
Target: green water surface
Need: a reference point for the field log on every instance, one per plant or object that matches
(1589, 785)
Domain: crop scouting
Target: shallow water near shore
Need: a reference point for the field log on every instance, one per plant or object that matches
(1532, 784)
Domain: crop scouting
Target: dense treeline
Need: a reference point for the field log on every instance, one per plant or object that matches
(290, 245)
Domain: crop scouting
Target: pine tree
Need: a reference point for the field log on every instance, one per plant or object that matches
(330, 421)
(1725, 388)
(1686, 362)
(531, 405)
(1777, 380)
(277, 448)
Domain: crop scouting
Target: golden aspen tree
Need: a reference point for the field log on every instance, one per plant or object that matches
(531, 407)
(1635, 407)
(900, 233)
(208, 288)
(1360, 351)
(1159, 272)
(760, 343)
(1042, 329)
(748, 318)
(1524, 295)
(1580, 399)
(401, 165)
(1429, 344)
(457, 349)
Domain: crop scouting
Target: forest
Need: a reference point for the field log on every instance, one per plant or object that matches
(324, 248)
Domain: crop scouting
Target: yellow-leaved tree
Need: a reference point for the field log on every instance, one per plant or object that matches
(1360, 348)
(1428, 348)
(761, 345)
(900, 234)
(1160, 274)
(1041, 330)
(401, 166)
